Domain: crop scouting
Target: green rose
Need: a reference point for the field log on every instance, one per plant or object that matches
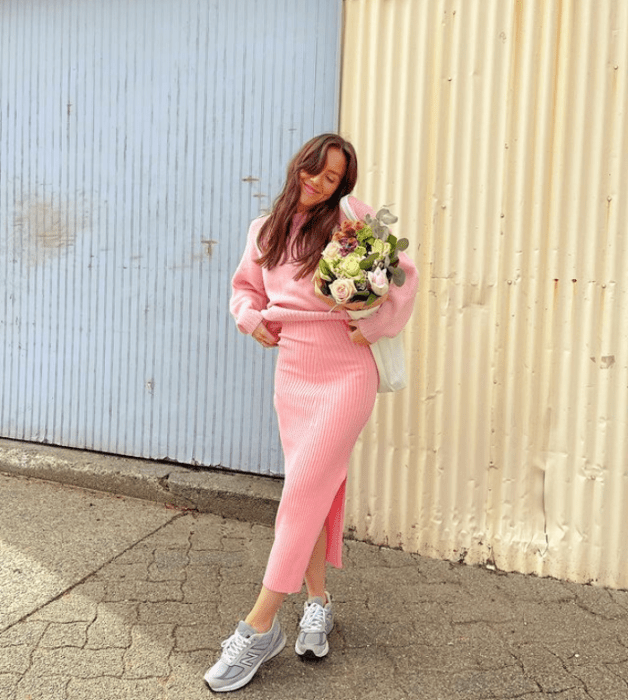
(350, 266)
(378, 246)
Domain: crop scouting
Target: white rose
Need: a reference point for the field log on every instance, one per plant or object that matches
(378, 281)
(332, 250)
(342, 290)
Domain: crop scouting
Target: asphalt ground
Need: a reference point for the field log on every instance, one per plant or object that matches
(104, 595)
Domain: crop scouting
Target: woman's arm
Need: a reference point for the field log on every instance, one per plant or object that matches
(248, 296)
(394, 313)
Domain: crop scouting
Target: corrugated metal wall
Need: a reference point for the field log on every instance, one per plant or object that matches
(498, 131)
(137, 141)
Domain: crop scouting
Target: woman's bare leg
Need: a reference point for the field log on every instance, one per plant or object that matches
(266, 607)
(315, 574)
(268, 602)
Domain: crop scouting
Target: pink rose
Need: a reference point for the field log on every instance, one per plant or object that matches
(378, 281)
(342, 290)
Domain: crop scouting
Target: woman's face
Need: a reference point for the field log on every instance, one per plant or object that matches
(320, 187)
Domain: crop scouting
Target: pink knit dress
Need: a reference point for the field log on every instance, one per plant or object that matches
(325, 388)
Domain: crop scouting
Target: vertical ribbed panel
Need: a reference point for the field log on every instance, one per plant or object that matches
(137, 141)
(497, 132)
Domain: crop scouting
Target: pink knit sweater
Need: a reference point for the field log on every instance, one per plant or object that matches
(274, 295)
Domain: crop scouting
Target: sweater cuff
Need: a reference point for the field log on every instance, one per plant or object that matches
(249, 320)
(371, 331)
(376, 326)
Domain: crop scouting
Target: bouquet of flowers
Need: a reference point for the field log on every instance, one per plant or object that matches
(360, 262)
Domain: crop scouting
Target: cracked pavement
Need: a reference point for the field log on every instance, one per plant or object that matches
(104, 596)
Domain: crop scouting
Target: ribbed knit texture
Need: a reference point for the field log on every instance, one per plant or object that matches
(325, 389)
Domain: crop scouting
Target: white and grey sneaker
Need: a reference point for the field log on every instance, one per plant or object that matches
(316, 624)
(243, 653)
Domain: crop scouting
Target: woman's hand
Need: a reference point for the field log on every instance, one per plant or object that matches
(264, 337)
(356, 336)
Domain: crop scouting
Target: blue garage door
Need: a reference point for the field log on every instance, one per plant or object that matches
(137, 141)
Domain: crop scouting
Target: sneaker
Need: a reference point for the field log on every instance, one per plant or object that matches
(316, 624)
(243, 653)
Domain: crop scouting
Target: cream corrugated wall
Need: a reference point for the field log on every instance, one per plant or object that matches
(497, 131)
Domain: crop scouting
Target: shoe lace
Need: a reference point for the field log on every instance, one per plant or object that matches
(313, 618)
(233, 646)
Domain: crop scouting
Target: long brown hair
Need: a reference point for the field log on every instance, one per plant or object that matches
(274, 237)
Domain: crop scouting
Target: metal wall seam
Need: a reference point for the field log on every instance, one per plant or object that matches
(499, 138)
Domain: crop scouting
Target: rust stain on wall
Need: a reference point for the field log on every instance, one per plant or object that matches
(209, 246)
(43, 229)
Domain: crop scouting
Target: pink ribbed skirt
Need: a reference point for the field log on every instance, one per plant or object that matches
(325, 388)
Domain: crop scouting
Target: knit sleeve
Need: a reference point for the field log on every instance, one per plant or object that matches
(394, 313)
(248, 294)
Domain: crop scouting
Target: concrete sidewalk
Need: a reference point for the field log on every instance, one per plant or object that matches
(105, 596)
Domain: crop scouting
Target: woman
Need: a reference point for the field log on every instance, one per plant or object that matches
(325, 387)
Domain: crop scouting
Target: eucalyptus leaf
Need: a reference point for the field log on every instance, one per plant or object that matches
(386, 217)
(398, 276)
(380, 231)
(402, 244)
(368, 263)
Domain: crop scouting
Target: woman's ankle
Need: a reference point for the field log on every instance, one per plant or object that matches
(263, 613)
(259, 625)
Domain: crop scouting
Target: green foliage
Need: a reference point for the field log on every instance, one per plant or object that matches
(324, 268)
(402, 244)
(398, 276)
(364, 234)
(385, 217)
(368, 263)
